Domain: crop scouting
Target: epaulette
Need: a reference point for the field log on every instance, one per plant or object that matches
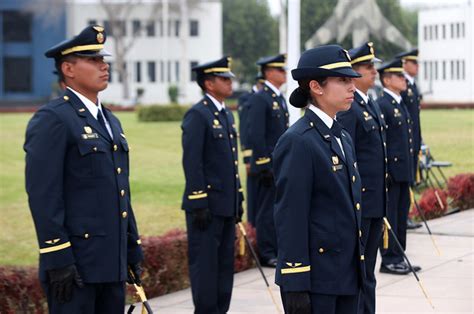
(58, 101)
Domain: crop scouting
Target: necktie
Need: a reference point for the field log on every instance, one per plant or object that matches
(101, 120)
(282, 101)
(336, 129)
(224, 117)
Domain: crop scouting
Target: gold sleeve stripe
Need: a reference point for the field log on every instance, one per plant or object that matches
(197, 196)
(262, 161)
(55, 248)
(363, 58)
(295, 270)
(336, 65)
(247, 153)
(82, 48)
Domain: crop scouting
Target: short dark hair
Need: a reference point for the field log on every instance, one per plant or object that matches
(58, 63)
(386, 74)
(304, 85)
(201, 79)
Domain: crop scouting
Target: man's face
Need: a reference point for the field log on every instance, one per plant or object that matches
(220, 86)
(369, 74)
(88, 74)
(276, 76)
(411, 67)
(395, 82)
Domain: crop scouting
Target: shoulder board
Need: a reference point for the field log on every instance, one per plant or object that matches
(58, 101)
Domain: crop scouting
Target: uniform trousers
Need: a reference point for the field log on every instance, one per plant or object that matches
(211, 264)
(329, 304)
(251, 197)
(266, 234)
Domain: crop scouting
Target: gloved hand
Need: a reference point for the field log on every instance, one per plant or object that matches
(62, 282)
(201, 218)
(240, 213)
(266, 177)
(137, 271)
(298, 302)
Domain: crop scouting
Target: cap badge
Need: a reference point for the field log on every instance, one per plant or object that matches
(100, 38)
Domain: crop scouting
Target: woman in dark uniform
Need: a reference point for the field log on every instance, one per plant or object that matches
(317, 212)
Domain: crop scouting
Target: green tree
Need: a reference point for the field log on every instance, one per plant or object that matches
(250, 32)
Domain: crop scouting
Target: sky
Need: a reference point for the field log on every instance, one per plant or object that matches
(275, 4)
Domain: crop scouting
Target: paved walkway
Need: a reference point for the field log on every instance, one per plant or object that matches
(448, 279)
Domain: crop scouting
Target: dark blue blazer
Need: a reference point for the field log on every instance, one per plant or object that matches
(268, 120)
(412, 98)
(366, 125)
(210, 160)
(317, 211)
(243, 110)
(78, 191)
(399, 139)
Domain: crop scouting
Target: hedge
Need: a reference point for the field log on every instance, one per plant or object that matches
(165, 271)
(461, 190)
(161, 113)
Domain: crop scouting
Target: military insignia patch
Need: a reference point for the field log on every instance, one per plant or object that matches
(216, 122)
(335, 160)
(366, 113)
(100, 38)
(88, 130)
(410, 92)
(347, 55)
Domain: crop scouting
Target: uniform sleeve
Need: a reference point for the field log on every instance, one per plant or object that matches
(294, 181)
(134, 249)
(348, 120)
(193, 141)
(261, 157)
(45, 147)
(243, 129)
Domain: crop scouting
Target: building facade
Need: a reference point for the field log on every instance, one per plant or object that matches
(163, 42)
(446, 43)
(26, 76)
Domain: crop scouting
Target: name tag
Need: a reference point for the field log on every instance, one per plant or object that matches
(88, 136)
(217, 126)
(368, 118)
(336, 168)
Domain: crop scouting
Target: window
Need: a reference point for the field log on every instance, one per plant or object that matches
(176, 70)
(170, 25)
(120, 76)
(138, 72)
(169, 72)
(136, 27)
(458, 30)
(444, 31)
(16, 26)
(160, 28)
(452, 69)
(92, 22)
(193, 74)
(458, 69)
(193, 28)
(462, 30)
(435, 70)
(436, 32)
(108, 28)
(463, 70)
(425, 70)
(151, 71)
(452, 30)
(17, 74)
(444, 70)
(110, 71)
(425, 32)
(162, 71)
(430, 36)
(431, 70)
(118, 28)
(150, 29)
(177, 26)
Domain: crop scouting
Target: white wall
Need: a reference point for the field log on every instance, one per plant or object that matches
(207, 46)
(451, 51)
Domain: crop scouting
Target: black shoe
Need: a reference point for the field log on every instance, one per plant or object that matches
(395, 269)
(413, 225)
(272, 262)
(415, 267)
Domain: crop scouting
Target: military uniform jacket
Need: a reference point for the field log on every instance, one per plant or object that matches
(412, 98)
(243, 109)
(268, 120)
(210, 160)
(366, 125)
(317, 211)
(399, 139)
(78, 191)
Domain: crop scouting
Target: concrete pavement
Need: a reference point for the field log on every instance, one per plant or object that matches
(448, 279)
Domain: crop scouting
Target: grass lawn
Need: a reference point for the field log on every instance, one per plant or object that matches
(157, 180)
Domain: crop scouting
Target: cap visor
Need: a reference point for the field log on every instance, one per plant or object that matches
(91, 54)
(308, 73)
(224, 74)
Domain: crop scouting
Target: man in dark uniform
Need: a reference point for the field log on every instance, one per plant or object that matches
(213, 197)
(365, 123)
(411, 98)
(77, 169)
(400, 158)
(318, 192)
(243, 109)
(268, 120)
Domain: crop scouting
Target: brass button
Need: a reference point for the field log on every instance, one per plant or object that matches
(358, 206)
(363, 189)
(381, 128)
(409, 130)
(66, 97)
(220, 135)
(386, 175)
(124, 214)
(208, 186)
(386, 160)
(86, 236)
(311, 124)
(386, 189)
(360, 233)
(411, 150)
(94, 148)
(362, 257)
(321, 250)
(395, 159)
(231, 136)
(236, 162)
(353, 179)
(384, 144)
(410, 140)
(237, 176)
(233, 149)
(119, 170)
(115, 147)
(122, 192)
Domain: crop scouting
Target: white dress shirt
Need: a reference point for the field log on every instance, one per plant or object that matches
(397, 98)
(218, 104)
(328, 121)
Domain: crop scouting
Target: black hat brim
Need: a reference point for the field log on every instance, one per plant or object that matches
(91, 54)
(308, 73)
(224, 74)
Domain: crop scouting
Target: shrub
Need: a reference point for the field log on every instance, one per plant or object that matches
(430, 204)
(461, 190)
(165, 271)
(173, 92)
(161, 113)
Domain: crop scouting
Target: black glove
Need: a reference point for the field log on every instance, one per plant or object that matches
(266, 177)
(201, 218)
(136, 271)
(240, 213)
(297, 303)
(62, 282)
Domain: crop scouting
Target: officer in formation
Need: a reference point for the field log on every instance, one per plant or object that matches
(243, 110)
(400, 154)
(365, 123)
(213, 196)
(411, 98)
(318, 192)
(267, 121)
(78, 186)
